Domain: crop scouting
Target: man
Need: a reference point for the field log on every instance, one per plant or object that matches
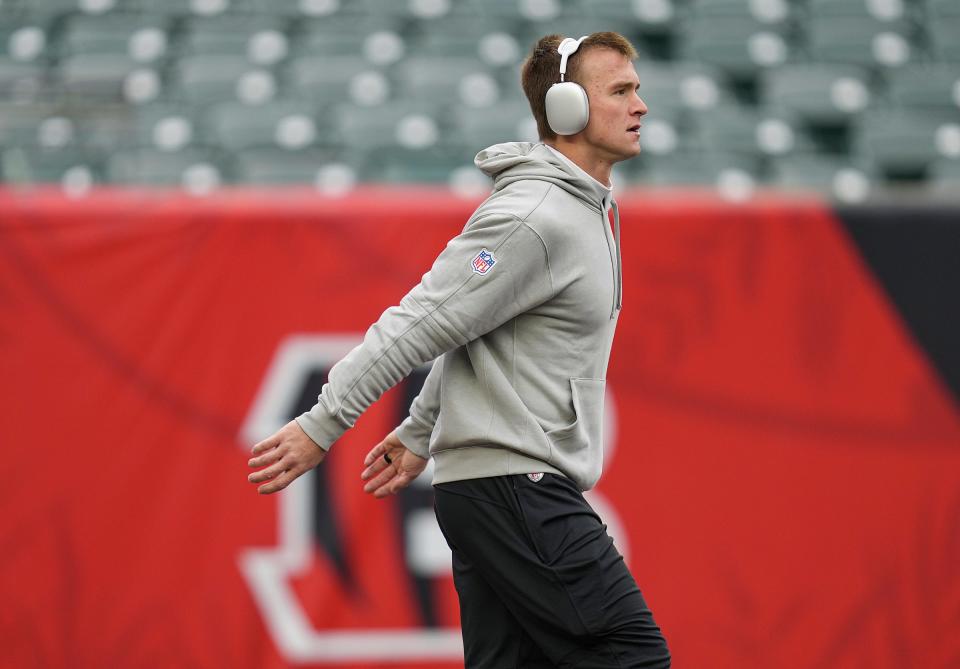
(519, 312)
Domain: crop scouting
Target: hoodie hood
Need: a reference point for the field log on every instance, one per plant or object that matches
(514, 161)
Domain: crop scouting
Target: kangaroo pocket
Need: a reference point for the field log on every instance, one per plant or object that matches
(586, 430)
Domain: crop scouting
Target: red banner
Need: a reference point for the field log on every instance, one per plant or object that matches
(782, 460)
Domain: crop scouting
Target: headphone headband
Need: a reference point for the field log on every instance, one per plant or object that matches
(567, 48)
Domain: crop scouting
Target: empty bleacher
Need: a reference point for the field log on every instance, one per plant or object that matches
(845, 97)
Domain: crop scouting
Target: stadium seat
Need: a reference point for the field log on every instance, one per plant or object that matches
(415, 124)
(18, 122)
(143, 39)
(44, 166)
(751, 131)
(942, 32)
(944, 177)
(926, 86)
(890, 10)
(279, 166)
(191, 8)
(20, 80)
(764, 12)
(328, 44)
(424, 78)
(105, 129)
(478, 128)
(469, 37)
(24, 39)
(95, 75)
(94, 128)
(697, 168)
(381, 42)
(324, 80)
(838, 177)
(612, 10)
(235, 35)
(401, 11)
(903, 144)
(642, 17)
(159, 168)
(825, 94)
(405, 165)
(202, 80)
(168, 128)
(51, 9)
(860, 41)
(300, 9)
(505, 9)
(627, 174)
(943, 8)
(353, 12)
(346, 21)
(574, 26)
(665, 135)
(739, 45)
(462, 27)
(235, 126)
(670, 88)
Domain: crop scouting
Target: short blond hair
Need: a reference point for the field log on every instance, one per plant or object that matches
(541, 70)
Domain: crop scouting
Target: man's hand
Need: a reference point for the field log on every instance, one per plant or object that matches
(289, 453)
(387, 478)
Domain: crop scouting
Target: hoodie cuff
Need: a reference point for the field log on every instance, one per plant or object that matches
(415, 436)
(320, 426)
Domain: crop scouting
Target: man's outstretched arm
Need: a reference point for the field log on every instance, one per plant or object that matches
(453, 304)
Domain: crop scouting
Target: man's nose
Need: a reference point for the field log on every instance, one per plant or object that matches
(639, 106)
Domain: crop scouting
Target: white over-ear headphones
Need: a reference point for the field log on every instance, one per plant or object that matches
(568, 109)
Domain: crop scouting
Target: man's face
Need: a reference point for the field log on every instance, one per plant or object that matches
(611, 83)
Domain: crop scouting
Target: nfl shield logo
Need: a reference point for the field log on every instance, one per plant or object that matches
(483, 262)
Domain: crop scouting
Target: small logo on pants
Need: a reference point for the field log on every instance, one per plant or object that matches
(535, 477)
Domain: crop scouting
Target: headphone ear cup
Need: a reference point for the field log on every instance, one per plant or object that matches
(568, 109)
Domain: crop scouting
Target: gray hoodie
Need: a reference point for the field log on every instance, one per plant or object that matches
(519, 312)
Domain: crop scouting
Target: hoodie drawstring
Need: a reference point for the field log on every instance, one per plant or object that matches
(618, 289)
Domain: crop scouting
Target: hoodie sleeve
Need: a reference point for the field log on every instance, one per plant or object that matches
(416, 429)
(493, 271)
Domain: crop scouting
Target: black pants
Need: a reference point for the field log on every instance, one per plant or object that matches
(539, 579)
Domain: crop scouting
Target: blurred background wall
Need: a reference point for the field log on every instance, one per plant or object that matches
(205, 203)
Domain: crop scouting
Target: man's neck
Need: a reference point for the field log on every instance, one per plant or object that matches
(583, 157)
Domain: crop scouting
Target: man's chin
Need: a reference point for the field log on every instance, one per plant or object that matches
(632, 152)
(623, 152)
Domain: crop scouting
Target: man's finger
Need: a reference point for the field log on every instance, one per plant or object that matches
(384, 491)
(382, 478)
(270, 472)
(403, 480)
(400, 481)
(277, 484)
(270, 442)
(270, 456)
(375, 468)
(375, 453)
